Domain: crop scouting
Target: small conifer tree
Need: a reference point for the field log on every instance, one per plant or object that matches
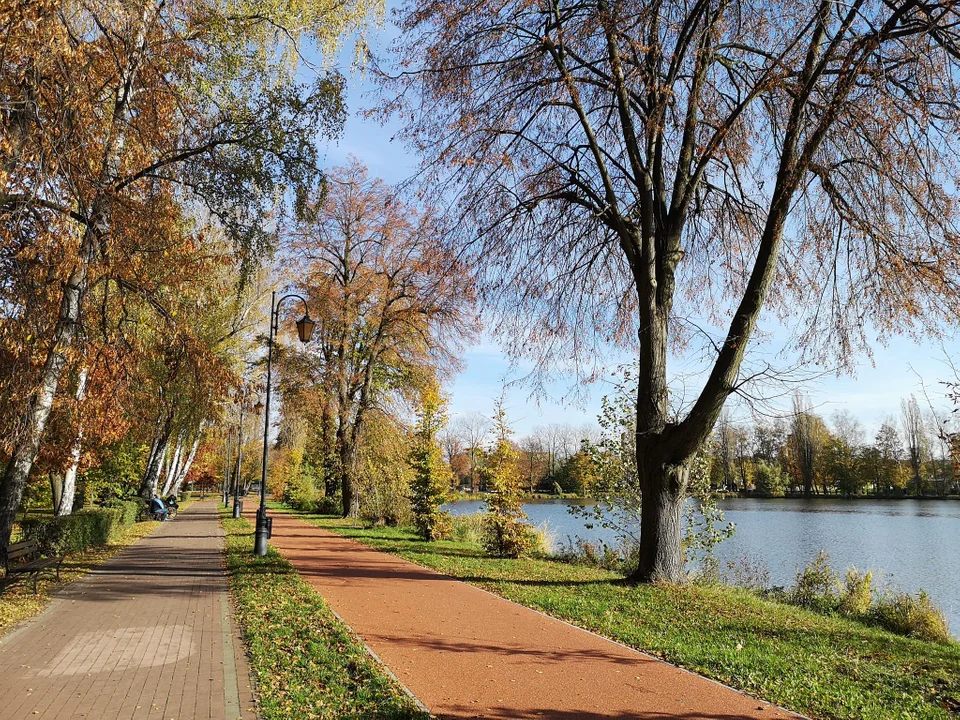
(431, 482)
(506, 532)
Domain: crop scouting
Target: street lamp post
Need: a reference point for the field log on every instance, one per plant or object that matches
(304, 331)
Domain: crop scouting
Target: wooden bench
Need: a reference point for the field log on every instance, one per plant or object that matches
(24, 558)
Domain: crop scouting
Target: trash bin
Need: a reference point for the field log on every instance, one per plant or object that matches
(269, 527)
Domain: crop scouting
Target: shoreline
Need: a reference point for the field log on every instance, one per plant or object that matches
(528, 498)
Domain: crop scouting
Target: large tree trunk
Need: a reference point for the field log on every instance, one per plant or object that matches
(331, 481)
(663, 489)
(56, 487)
(185, 466)
(151, 474)
(173, 467)
(347, 485)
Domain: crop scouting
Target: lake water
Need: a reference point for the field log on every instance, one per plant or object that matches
(912, 544)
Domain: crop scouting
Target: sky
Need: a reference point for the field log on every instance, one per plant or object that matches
(872, 393)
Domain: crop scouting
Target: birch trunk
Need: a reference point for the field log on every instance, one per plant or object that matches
(39, 405)
(173, 467)
(65, 506)
(185, 467)
(151, 475)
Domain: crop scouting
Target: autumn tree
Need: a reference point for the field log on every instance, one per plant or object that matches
(392, 307)
(454, 453)
(506, 532)
(117, 112)
(536, 462)
(806, 441)
(769, 440)
(474, 428)
(617, 168)
(917, 445)
(890, 473)
(430, 487)
(724, 450)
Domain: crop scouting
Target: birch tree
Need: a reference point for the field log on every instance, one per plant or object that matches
(392, 308)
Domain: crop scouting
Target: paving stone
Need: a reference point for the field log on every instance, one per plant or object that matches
(140, 637)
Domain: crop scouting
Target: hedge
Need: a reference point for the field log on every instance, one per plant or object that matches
(80, 531)
(129, 509)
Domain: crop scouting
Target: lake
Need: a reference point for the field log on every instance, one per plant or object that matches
(912, 544)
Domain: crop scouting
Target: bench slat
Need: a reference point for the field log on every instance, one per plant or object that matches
(38, 564)
(18, 550)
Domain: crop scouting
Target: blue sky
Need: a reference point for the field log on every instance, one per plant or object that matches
(873, 393)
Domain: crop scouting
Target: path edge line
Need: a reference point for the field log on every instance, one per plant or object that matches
(407, 691)
(237, 632)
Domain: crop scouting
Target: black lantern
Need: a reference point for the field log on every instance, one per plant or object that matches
(305, 328)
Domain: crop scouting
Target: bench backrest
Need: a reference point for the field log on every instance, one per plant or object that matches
(24, 549)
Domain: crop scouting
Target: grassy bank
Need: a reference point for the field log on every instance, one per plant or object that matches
(306, 662)
(822, 666)
(19, 603)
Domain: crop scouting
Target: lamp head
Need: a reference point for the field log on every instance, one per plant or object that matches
(305, 328)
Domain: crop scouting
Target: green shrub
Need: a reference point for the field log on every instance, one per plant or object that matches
(768, 480)
(816, 585)
(301, 493)
(435, 525)
(128, 510)
(71, 533)
(508, 535)
(327, 505)
(857, 593)
(80, 531)
(912, 615)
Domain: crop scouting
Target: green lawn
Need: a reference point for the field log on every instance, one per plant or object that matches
(824, 667)
(306, 662)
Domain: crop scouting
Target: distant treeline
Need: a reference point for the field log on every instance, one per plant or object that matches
(801, 454)
(913, 454)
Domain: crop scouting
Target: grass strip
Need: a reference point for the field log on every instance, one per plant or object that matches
(825, 667)
(19, 603)
(306, 662)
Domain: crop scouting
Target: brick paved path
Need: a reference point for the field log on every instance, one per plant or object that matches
(466, 653)
(147, 635)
